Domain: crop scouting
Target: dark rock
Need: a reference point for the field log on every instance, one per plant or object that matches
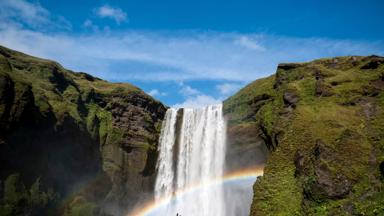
(334, 83)
(290, 98)
(381, 167)
(318, 74)
(288, 66)
(7, 95)
(268, 138)
(245, 147)
(256, 103)
(259, 98)
(88, 76)
(299, 163)
(328, 184)
(60, 80)
(374, 62)
(279, 80)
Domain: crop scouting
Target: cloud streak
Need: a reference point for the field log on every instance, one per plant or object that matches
(249, 43)
(114, 13)
(25, 14)
(156, 56)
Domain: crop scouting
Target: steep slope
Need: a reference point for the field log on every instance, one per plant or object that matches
(323, 123)
(71, 143)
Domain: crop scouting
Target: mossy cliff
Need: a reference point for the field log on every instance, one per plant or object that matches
(71, 143)
(323, 123)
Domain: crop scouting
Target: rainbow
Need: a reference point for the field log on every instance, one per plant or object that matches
(239, 175)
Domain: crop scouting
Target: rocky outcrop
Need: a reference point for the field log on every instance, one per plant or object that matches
(290, 98)
(325, 184)
(90, 142)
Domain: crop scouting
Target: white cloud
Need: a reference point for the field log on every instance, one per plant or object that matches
(187, 90)
(249, 43)
(156, 92)
(198, 101)
(20, 13)
(228, 88)
(115, 13)
(176, 56)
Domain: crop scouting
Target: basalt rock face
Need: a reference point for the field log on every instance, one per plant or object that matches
(70, 143)
(323, 125)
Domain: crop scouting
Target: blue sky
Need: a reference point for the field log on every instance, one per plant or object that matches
(190, 53)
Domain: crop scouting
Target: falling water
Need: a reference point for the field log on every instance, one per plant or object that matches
(192, 151)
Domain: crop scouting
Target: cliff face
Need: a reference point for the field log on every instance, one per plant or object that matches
(323, 123)
(246, 146)
(71, 143)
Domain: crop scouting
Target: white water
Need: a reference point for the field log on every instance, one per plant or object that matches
(196, 158)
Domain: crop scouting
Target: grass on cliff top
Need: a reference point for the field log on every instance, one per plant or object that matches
(238, 108)
(53, 86)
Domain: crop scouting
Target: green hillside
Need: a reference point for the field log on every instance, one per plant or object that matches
(71, 143)
(323, 123)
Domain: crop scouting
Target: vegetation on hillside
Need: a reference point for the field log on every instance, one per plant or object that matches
(323, 122)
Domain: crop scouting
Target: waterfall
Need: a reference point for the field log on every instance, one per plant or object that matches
(192, 152)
